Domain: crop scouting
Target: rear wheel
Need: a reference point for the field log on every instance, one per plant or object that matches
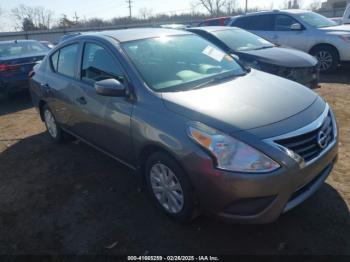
(327, 57)
(53, 128)
(170, 187)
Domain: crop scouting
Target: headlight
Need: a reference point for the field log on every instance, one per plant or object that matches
(230, 153)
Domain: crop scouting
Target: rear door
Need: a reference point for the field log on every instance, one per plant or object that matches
(102, 121)
(62, 85)
(262, 25)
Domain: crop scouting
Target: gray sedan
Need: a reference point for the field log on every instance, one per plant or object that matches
(201, 132)
(303, 30)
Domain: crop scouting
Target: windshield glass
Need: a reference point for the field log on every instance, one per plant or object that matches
(173, 63)
(316, 20)
(22, 49)
(241, 40)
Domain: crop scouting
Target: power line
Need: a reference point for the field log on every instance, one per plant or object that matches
(129, 2)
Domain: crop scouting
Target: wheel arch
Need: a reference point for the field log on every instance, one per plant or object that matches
(312, 49)
(41, 105)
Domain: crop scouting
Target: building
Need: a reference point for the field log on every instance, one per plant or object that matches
(334, 8)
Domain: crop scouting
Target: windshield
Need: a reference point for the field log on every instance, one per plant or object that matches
(172, 63)
(241, 40)
(316, 20)
(22, 49)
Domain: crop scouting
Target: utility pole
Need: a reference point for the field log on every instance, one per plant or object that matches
(76, 17)
(246, 6)
(129, 2)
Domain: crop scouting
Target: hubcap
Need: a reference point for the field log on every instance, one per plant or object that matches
(50, 123)
(325, 59)
(167, 188)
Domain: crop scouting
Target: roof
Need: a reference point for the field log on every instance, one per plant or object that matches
(17, 41)
(289, 11)
(210, 29)
(217, 18)
(126, 35)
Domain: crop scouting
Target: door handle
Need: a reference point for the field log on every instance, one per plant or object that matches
(81, 100)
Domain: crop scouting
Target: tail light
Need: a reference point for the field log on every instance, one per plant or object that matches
(8, 68)
(31, 74)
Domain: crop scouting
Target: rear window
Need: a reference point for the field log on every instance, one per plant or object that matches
(258, 22)
(21, 49)
(65, 59)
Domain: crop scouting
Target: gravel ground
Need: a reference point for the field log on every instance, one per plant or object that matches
(71, 199)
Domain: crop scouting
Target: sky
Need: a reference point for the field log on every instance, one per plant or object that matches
(112, 8)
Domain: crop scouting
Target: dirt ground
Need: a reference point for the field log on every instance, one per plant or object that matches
(71, 199)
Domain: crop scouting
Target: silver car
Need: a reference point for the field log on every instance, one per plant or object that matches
(303, 30)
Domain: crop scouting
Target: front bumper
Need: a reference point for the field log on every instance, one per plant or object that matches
(307, 76)
(256, 198)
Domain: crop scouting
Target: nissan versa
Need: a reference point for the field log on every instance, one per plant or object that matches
(202, 132)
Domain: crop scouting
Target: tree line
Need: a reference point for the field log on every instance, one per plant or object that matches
(30, 18)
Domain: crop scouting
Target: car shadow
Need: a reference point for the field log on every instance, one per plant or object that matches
(341, 76)
(15, 103)
(71, 199)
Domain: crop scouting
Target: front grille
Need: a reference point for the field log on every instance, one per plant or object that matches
(310, 145)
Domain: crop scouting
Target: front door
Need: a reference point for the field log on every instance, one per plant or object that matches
(102, 121)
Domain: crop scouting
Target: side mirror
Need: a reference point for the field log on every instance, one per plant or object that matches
(235, 57)
(296, 27)
(110, 87)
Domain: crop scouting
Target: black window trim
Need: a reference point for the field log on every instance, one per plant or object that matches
(59, 52)
(292, 17)
(99, 43)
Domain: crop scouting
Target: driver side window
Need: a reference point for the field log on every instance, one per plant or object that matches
(99, 65)
(284, 23)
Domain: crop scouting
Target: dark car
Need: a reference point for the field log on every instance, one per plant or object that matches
(48, 44)
(17, 59)
(256, 52)
(218, 21)
(201, 132)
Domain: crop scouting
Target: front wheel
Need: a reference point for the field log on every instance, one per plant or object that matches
(170, 187)
(327, 57)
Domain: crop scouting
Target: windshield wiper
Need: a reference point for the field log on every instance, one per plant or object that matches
(215, 80)
(263, 47)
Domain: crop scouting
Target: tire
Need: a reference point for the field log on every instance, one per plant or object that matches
(168, 200)
(53, 128)
(328, 58)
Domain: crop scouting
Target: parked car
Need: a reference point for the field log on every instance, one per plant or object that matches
(203, 132)
(303, 30)
(17, 59)
(69, 35)
(219, 21)
(345, 19)
(254, 51)
(48, 44)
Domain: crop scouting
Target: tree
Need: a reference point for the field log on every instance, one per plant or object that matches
(212, 6)
(40, 17)
(315, 5)
(65, 22)
(145, 13)
(230, 7)
(28, 25)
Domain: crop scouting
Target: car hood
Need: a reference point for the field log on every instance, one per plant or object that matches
(338, 29)
(280, 56)
(254, 100)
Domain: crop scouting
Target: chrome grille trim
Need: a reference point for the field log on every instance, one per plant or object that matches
(318, 123)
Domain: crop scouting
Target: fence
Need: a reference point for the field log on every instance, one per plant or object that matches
(54, 35)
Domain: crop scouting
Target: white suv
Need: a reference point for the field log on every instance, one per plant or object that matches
(303, 30)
